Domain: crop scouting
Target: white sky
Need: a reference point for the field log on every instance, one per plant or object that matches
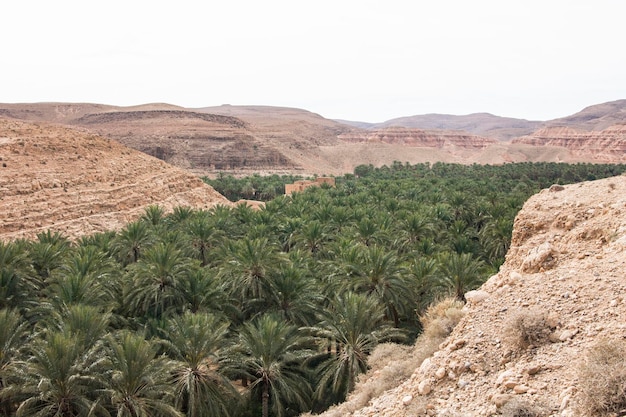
(352, 59)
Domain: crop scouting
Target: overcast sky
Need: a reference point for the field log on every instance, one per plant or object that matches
(344, 59)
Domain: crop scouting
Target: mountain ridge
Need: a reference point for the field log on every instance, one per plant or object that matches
(264, 139)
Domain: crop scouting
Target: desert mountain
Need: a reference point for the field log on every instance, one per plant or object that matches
(530, 334)
(482, 124)
(75, 182)
(250, 139)
(596, 117)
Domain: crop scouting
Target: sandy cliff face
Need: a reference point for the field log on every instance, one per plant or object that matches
(608, 145)
(566, 264)
(78, 183)
(419, 138)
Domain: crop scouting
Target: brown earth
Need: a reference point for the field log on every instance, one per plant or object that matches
(566, 264)
(77, 183)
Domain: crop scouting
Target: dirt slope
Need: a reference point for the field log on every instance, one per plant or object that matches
(77, 183)
(566, 264)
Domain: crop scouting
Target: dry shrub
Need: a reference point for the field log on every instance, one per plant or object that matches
(440, 318)
(528, 328)
(521, 408)
(602, 379)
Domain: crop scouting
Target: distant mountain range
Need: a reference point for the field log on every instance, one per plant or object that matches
(265, 139)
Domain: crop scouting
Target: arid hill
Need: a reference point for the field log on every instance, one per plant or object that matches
(607, 145)
(76, 182)
(596, 117)
(481, 124)
(537, 337)
(262, 139)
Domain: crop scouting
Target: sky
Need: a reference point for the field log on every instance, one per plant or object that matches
(361, 60)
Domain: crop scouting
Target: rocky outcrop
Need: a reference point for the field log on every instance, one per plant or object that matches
(79, 183)
(608, 145)
(562, 287)
(419, 138)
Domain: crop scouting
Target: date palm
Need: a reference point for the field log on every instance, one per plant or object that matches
(380, 275)
(272, 354)
(131, 241)
(86, 277)
(139, 383)
(17, 277)
(13, 335)
(459, 273)
(356, 324)
(248, 268)
(58, 381)
(199, 345)
(156, 280)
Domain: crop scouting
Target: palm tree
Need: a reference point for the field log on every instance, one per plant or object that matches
(17, 282)
(58, 380)
(156, 280)
(199, 344)
(139, 383)
(86, 277)
(248, 267)
(13, 335)
(272, 354)
(131, 241)
(154, 215)
(203, 236)
(356, 324)
(296, 296)
(379, 274)
(459, 273)
(312, 236)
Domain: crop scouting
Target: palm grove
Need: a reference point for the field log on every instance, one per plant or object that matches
(236, 312)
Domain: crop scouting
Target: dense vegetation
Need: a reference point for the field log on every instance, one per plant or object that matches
(241, 312)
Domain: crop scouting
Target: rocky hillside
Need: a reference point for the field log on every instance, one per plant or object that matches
(77, 183)
(607, 145)
(419, 138)
(546, 335)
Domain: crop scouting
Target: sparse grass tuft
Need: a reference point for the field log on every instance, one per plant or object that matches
(528, 328)
(440, 319)
(602, 379)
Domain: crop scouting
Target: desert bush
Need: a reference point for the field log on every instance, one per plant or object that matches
(521, 408)
(528, 328)
(440, 318)
(602, 379)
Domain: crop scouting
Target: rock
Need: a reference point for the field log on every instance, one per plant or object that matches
(533, 369)
(520, 389)
(539, 258)
(476, 296)
(458, 344)
(406, 400)
(515, 276)
(504, 376)
(567, 334)
(556, 188)
(424, 387)
(440, 373)
(510, 383)
(501, 399)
